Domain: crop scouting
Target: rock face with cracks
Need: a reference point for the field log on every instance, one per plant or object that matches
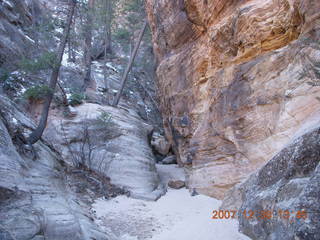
(237, 81)
(112, 141)
(36, 201)
(290, 181)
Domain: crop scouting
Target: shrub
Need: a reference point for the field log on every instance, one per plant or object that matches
(122, 34)
(4, 75)
(38, 92)
(76, 99)
(105, 118)
(45, 61)
(133, 6)
(105, 127)
(133, 18)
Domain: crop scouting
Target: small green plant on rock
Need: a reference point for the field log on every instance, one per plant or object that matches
(4, 75)
(105, 118)
(105, 127)
(122, 34)
(76, 99)
(37, 93)
(45, 61)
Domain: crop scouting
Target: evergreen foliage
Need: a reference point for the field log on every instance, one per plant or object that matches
(76, 99)
(45, 61)
(38, 92)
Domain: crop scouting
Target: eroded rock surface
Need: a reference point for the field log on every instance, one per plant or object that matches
(237, 81)
(119, 149)
(160, 144)
(289, 181)
(36, 201)
(14, 15)
(176, 184)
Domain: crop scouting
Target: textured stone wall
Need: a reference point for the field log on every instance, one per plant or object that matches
(237, 81)
(289, 181)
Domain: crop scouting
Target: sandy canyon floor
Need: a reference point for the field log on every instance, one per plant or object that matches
(175, 216)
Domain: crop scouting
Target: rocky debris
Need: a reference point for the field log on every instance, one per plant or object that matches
(237, 80)
(169, 160)
(289, 181)
(111, 141)
(170, 172)
(90, 185)
(178, 184)
(160, 144)
(35, 200)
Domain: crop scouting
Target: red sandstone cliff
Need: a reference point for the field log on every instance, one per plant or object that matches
(237, 81)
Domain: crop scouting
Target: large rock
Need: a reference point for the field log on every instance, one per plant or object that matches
(118, 149)
(160, 144)
(14, 16)
(169, 160)
(237, 80)
(289, 181)
(36, 201)
(176, 184)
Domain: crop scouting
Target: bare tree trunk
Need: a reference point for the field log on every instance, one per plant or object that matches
(64, 95)
(106, 82)
(37, 133)
(109, 19)
(71, 54)
(125, 75)
(74, 34)
(88, 44)
(34, 24)
(69, 50)
(106, 46)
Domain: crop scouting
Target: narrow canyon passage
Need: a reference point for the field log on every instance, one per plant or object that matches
(159, 120)
(175, 214)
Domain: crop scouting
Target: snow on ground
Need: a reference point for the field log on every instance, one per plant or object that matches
(175, 216)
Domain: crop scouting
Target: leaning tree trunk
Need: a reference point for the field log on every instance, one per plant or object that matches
(133, 55)
(34, 23)
(71, 52)
(88, 45)
(37, 133)
(109, 16)
(107, 44)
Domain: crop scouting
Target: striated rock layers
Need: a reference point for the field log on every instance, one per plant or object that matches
(111, 141)
(36, 200)
(14, 16)
(237, 81)
(288, 182)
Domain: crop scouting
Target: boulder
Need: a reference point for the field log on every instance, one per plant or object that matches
(169, 160)
(289, 181)
(176, 184)
(160, 144)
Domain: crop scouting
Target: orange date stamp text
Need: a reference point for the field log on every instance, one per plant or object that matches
(284, 214)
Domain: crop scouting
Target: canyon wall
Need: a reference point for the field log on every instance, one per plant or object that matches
(237, 80)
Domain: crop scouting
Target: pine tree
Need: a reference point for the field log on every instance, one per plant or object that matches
(37, 133)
